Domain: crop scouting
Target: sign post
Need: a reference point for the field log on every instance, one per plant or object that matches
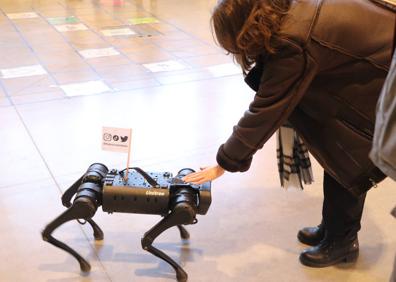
(118, 140)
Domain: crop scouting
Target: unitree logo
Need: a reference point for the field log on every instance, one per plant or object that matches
(108, 137)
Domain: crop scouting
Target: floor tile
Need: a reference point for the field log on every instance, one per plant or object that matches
(105, 62)
(224, 69)
(146, 57)
(13, 56)
(98, 53)
(67, 65)
(183, 77)
(98, 17)
(131, 44)
(60, 49)
(85, 88)
(52, 9)
(136, 46)
(165, 66)
(51, 56)
(71, 27)
(123, 73)
(4, 101)
(33, 25)
(32, 71)
(194, 51)
(20, 16)
(127, 14)
(174, 35)
(75, 76)
(117, 31)
(36, 41)
(163, 27)
(174, 45)
(135, 84)
(88, 12)
(21, 163)
(85, 39)
(63, 20)
(54, 94)
(208, 60)
(28, 85)
(10, 38)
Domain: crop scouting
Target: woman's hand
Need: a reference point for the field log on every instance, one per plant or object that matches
(206, 174)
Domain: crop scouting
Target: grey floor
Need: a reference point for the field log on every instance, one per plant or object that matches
(179, 118)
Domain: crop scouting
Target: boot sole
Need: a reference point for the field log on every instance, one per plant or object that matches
(351, 257)
(312, 243)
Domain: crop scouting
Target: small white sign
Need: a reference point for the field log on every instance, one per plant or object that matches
(116, 139)
(63, 20)
(27, 15)
(97, 53)
(23, 71)
(143, 20)
(85, 88)
(170, 65)
(118, 32)
(70, 27)
(224, 70)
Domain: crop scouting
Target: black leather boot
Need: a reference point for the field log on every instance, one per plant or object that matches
(311, 235)
(330, 252)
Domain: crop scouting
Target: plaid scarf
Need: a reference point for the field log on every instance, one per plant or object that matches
(293, 158)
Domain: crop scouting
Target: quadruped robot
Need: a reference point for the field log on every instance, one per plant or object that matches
(137, 192)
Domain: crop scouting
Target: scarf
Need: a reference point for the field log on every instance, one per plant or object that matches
(293, 158)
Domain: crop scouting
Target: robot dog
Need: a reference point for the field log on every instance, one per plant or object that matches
(134, 191)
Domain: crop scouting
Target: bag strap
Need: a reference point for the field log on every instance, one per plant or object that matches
(389, 4)
(394, 40)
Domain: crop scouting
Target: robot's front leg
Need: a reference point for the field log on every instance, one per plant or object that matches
(90, 181)
(182, 213)
(82, 208)
(97, 232)
(183, 232)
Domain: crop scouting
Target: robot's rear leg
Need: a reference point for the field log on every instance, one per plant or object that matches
(181, 214)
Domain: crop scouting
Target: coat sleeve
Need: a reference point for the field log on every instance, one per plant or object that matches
(284, 79)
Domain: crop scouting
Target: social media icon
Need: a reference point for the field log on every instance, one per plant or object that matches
(107, 137)
(116, 138)
(124, 138)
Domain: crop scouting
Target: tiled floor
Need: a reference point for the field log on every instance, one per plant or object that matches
(68, 68)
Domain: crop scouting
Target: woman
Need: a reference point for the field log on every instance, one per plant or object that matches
(318, 65)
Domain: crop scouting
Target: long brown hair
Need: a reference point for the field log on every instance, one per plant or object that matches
(247, 28)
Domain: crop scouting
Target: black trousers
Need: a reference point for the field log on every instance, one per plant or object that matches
(342, 211)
